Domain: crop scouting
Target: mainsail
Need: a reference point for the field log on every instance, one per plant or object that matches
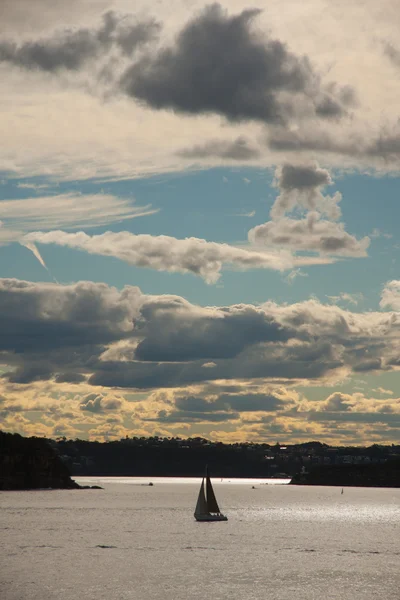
(201, 506)
(212, 503)
(207, 508)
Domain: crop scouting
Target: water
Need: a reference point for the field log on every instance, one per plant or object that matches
(132, 541)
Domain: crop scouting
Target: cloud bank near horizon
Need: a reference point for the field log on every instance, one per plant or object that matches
(100, 349)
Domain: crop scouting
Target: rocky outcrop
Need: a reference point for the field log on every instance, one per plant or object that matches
(30, 463)
(377, 475)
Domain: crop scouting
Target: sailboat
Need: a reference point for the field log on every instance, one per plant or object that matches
(207, 508)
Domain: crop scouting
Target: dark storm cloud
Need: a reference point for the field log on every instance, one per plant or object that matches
(392, 53)
(44, 317)
(235, 402)
(237, 150)
(391, 420)
(302, 177)
(394, 361)
(69, 378)
(195, 404)
(32, 371)
(282, 140)
(175, 336)
(193, 417)
(329, 107)
(220, 65)
(373, 364)
(70, 49)
(385, 146)
(258, 362)
(49, 329)
(129, 339)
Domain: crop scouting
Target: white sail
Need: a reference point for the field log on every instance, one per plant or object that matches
(201, 506)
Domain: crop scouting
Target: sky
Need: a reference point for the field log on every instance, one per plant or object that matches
(199, 220)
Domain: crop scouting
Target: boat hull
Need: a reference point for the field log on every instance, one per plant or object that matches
(210, 517)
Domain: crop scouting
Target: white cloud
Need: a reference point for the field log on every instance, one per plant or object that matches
(33, 186)
(300, 187)
(309, 234)
(345, 297)
(248, 214)
(294, 274)
(300, 192)
(69, 210)
(165, 253)
(391, 295)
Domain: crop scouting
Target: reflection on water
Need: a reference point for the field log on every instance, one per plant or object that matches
(140, 542)
(176, 480)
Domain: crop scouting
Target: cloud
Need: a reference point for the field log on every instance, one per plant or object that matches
(237, 402)
(300, 186)
(345, 297)
(248, 214)
(335, 402)
(392, 53)
(369, 417)
(36, 253)
(68, 210)
(25, 15)
(373, 364)
(359, 419)
(69, 60)
(391, 295)
(69, 378)
(294, 274)
(47, 317)
(220, 65)
(239, 150)
(339, 340)
(165, 253)
(194, 417)
(309, 234)
(266, 363)
(33, 186)
(32, 371)
(179, 332)
(382, 390)
(382, 146)
(300, 191)
(100, 404)
(222, 407)
(300, 177)
(70, 49)
(127, 339)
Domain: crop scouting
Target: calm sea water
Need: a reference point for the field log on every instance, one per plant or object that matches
(132, 541)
